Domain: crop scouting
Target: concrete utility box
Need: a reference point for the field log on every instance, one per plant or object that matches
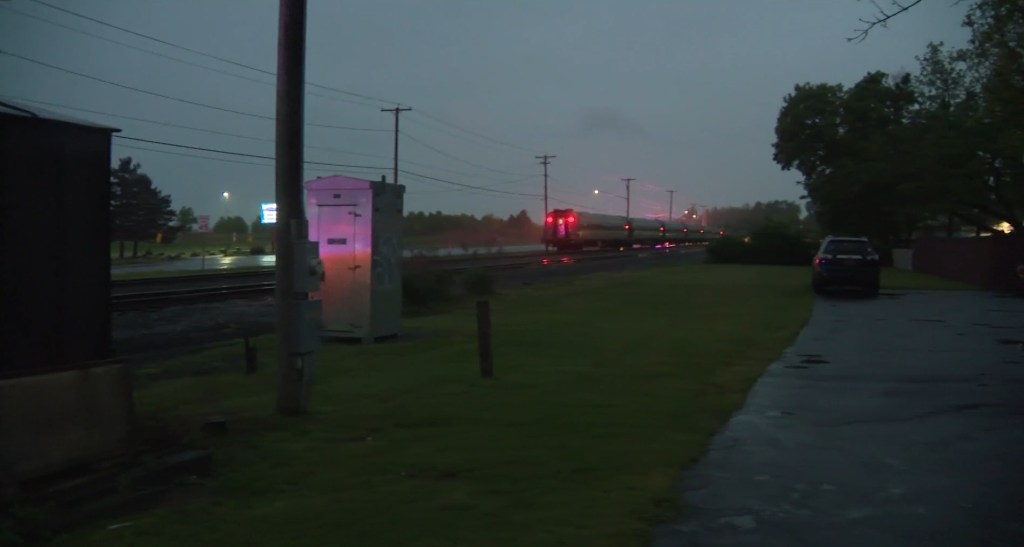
(358, 227)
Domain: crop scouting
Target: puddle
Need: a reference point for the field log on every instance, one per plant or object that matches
(795, 366)
(814, 361)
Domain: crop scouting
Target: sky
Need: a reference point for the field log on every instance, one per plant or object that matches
(681, 95)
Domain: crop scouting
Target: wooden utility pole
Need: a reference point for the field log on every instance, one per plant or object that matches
(397, 110)
(627, 181)
(671, 194)
(545, 160)
(295, 363)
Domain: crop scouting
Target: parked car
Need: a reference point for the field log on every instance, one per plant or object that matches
(846, 262)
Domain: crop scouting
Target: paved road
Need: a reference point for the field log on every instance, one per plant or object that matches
(895, 421)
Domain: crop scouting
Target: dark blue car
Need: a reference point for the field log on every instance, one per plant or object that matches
(846, 262)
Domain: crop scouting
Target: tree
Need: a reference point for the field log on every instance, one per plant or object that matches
(258, 228)
(186, 218)
(850, 146)
(231, 225)
(138, 210)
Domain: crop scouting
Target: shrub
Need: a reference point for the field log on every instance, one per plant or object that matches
(771, 243)
(478, 283)
(427, 289)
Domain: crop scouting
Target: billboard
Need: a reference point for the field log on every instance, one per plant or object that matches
(268, 213)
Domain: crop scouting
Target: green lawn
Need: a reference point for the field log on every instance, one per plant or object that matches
(606, 388)
(893, 278)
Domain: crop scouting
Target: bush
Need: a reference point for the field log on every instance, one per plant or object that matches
(478, 283)
(771, 243)
(426, 290)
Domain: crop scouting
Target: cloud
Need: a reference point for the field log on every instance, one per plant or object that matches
(595, 121)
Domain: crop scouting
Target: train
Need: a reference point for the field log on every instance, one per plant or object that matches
(568, 229)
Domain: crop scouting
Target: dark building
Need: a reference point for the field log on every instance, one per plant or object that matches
(54, 240)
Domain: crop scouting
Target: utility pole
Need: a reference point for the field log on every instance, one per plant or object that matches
(627, 181)
(397, 110)
(294, 308)
(545, 160)
(671, 194)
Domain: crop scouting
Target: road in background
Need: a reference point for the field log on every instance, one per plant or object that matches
(891, 421)
(195, 264)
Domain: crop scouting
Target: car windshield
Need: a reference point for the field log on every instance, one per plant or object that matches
(847, 246)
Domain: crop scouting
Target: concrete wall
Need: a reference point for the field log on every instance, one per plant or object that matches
(50, 422)
(989, 262)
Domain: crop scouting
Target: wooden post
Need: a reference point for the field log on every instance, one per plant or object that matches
(483, 331)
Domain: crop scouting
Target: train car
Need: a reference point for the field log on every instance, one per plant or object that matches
(567, 229)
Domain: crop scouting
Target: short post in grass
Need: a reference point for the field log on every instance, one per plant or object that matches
(483, 334)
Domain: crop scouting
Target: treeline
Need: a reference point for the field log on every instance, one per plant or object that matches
(941, 149)
(743, 220)
(442, 229)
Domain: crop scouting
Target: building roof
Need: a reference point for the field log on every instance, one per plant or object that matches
(13, 108)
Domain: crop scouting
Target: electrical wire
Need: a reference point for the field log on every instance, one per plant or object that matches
(243, 154)
(176, 99)
(270, 73)
(456, 158)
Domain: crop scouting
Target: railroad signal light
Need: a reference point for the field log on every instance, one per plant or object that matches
(661, 228)
(702, 230)
(626, 226)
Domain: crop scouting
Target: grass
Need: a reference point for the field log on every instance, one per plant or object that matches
(893, 278)
(607, 386)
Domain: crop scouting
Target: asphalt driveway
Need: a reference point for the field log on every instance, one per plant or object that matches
(890, 421)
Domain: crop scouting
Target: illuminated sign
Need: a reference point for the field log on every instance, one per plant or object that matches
(268, 213)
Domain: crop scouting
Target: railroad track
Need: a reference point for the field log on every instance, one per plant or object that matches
(166, 291)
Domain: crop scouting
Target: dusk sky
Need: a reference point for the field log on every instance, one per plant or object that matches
(680, 94)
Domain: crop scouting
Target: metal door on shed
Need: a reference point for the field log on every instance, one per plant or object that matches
(344, 234)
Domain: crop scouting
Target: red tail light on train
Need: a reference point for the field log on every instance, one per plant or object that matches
(570, 219)
(549, 219)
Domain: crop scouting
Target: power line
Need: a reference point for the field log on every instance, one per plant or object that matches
(225, 160)
(176, 99)
(173, 58)
(188, 127)
(202, 53)
(262, 139)
(242, 154)
(474, 133)
(471, 186)
(456, 158)
(271, 73)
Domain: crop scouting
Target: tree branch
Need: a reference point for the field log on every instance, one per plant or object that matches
(881, 19)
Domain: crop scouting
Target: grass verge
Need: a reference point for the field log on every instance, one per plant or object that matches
(606, 387)
(893, 278)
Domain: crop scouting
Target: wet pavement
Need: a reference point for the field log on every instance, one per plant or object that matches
(890, 421)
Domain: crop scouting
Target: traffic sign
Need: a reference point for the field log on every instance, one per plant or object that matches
(204, 224)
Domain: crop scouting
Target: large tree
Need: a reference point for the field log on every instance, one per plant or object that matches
(138, 209)
(941, 149)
